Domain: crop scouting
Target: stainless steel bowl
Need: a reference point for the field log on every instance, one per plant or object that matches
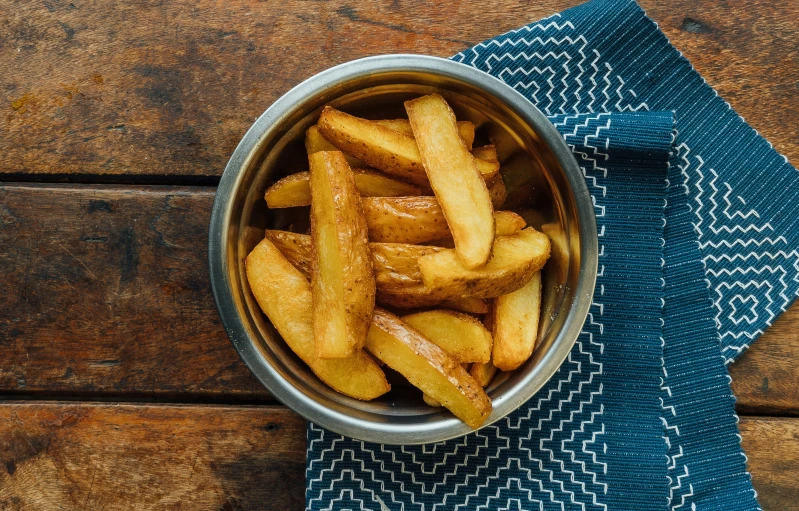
(553, 193)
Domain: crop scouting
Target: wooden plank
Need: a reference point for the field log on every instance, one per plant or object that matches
(90, 456)
(106, 290)
(112, 457)
(110, 295)
(772, 447)
(766, 377)
(89, 95)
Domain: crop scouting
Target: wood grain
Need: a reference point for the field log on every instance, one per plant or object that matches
(772, 448)
(109, 294)
(120, 457)
(765, 379)
(112, 298)
(89, 95)
(89, 456)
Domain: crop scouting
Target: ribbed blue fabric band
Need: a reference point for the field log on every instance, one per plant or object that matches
(641, 415)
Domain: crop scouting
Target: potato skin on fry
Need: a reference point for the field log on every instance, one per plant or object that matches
(515, 324)
(454, 177)
(515, 259)
(427, 367)
(284, 295)
(342, 280)
(379, 146)
(465, 129)
(315, 142)
(384, 147)
(405, 219)
(295, 190)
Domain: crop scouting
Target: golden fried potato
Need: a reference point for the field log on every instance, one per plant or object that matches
(418, 297)
(315, 142)
(295, 247)
(342, 281)
(284, 295)
(295, 190)
(465, 128)
(508, 223)
(516, 324)
(429, 401)
(405, 219)
(382, 147)
(515, 259)
(483, 373)
(460, 335)
(427, 367)
(457, 183)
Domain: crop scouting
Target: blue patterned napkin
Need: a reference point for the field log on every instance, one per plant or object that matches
(699, 253)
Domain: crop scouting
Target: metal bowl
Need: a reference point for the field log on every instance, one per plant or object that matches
(550, 190)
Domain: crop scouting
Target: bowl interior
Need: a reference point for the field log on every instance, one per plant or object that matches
(539, 190)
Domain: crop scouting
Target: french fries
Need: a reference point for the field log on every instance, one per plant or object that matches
(460, 335)
(420, 220)
(382, 147)
(342, 281)
(295, 190)
(405, 219)
(465, 129)
(516, 324)
(427, 367)
(379, 236)
(483, 373)
(516, 258)
(454, 178)
(418, 297)
(315, 142)
(284, 295)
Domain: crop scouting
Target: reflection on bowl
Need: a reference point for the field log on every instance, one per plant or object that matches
(545, 186)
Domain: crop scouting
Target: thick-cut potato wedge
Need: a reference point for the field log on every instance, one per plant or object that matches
(460, 335)
(516, 324)
(465, 128)
(295, 247)
(483, 373)
(284, 295)
(395, 264)
(497, 191)
(379, 146)
(382, 147)
(516, 258)
(295, 190)
(315, 142)
(418, 297)
(466, 304)
(420, 220)
(487, 153)
(429, 401)
(508, 223)
(454, 178)
(342, 281)
(405, 219)
(427, 367)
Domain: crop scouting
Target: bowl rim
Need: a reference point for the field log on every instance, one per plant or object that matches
(237, 331)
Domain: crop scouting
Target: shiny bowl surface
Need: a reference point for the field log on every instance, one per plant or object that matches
(550, 191)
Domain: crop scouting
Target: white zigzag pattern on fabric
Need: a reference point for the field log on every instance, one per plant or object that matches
(748, 297)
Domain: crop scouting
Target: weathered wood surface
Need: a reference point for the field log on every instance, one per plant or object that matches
(111, 297)
(106, 291)
(126, 91)
(772, 447)
(120, 457)
(765, 379)
(88, 456)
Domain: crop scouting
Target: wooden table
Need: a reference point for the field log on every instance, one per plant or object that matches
(120, 389)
